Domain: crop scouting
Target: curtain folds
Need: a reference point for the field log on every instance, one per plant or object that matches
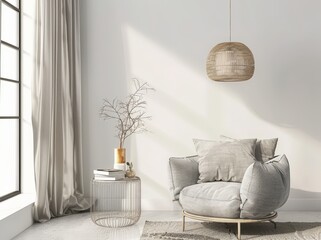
(56, 112)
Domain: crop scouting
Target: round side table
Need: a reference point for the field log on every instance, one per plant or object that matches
(116, 203)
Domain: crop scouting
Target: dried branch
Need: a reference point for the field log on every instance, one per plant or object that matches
(130, 114)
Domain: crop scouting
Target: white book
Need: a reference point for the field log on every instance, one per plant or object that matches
(106, 178)
(109, 172)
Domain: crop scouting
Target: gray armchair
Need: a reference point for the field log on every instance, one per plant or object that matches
(264, 188)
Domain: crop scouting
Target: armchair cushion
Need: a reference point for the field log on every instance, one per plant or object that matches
(216, 199)
(224, 161)
(264, 149)
(265, 187)
(183, 171)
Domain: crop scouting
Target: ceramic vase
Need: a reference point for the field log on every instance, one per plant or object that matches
(120, 158)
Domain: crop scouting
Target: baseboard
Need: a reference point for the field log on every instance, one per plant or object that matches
(293, 204)
(158, 204)
(302, 204)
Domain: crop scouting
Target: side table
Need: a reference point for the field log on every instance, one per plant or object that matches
(116, 203)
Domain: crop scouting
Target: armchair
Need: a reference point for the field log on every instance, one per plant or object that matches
(263, 189)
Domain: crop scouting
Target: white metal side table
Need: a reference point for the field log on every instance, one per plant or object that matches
(116, 203)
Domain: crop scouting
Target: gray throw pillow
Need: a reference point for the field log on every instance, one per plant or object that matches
(224, 161)
(183, 172)
(264, 150)
(265, 187)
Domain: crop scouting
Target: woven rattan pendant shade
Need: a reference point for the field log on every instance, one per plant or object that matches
(230, 62)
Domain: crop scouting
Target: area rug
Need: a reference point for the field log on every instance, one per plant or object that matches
(221, 231)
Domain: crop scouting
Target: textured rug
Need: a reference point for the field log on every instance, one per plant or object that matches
(221, 231)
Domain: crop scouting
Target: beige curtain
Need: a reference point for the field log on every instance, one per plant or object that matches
(57, 110)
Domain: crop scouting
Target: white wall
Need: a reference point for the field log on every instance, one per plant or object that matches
(166, 43)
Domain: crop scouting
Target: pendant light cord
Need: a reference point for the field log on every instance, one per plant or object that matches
(230, 8)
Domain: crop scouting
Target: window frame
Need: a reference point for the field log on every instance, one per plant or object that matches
(18, 10)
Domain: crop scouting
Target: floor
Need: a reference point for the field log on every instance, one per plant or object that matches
(80, 226)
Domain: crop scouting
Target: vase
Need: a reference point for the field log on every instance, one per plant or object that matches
(120, 158)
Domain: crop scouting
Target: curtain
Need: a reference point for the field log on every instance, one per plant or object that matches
(56, 111)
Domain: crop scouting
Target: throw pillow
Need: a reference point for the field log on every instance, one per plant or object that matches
(265, 187)
(224, 161)
(264, 150)
(183, 171)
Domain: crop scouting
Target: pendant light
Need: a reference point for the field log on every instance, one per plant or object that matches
(230, 61)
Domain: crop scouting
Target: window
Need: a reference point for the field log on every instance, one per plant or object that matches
(10, 98)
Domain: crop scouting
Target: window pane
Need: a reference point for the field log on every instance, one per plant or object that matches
(9, 62)
(9, 160)
(9, 99)
(9, 25)
(14, 3)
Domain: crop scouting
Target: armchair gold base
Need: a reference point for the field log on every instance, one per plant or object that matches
(238, 221)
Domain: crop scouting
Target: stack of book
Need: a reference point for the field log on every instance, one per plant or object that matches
(108, 174)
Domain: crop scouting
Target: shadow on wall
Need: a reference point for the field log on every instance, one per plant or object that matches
(290, 95)
(285, 87)
(284, 90)
(176, 29)
(100, 79)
